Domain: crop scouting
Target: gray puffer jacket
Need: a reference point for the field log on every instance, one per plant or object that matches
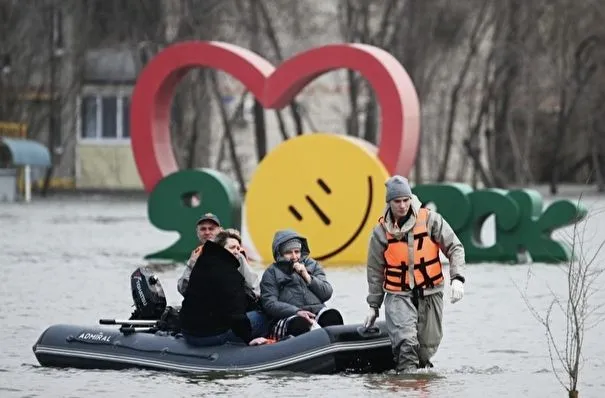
(284, 292)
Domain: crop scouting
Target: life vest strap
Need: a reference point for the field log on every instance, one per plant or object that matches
(420, 238)
(396, 271)
(427, 280)
(427, 283)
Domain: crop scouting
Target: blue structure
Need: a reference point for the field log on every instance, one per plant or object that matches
(24, 152)
(19, 152)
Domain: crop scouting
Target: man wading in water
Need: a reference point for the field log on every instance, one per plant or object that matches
(412, 290)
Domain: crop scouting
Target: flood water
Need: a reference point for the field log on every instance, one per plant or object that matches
(69, 261)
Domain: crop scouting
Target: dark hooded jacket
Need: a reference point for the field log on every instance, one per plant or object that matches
(284, 292)
(215, 300)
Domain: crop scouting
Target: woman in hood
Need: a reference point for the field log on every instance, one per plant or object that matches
(294, 289)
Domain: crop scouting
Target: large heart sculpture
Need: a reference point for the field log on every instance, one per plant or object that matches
(274, 88)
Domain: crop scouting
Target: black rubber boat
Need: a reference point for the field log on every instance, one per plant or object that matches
(334, 349)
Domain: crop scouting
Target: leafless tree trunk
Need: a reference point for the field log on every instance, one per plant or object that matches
(37, 88)
(598, 133)
(235, 116)
(581, 74)
(260, 129)
(582, 275)
(528, 106)
(228, 133)
(479, 27)
(273, 40)
(353, 33)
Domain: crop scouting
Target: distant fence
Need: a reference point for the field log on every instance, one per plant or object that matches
(13, 130)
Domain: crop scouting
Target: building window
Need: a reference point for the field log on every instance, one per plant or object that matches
(105, 117)
(109, 117)
(89, 117)
(125, 117)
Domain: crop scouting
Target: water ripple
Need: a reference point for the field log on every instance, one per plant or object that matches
(70, 261)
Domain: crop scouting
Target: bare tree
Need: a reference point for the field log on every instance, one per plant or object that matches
(580, 74)
(380, 24)
(37, 87)
(582, 276)
(272, 37)
(482, 21)
(227, 124)
(502, 83)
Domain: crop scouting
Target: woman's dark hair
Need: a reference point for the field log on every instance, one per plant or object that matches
(221, 237)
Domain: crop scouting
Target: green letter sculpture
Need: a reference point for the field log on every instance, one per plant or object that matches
(521, 225)
(167, 211)
(451, 200)
(485, 203)
(535, 227)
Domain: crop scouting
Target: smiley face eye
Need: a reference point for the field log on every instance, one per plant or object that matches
(322, 215)
(324, 186)
(295, 213)
(324, 218)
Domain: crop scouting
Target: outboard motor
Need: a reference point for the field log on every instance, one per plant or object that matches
(148, 295)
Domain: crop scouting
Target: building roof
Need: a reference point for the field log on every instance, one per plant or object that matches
(110, 65)
(26, 152)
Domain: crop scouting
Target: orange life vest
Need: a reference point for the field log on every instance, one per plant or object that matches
(428, 270)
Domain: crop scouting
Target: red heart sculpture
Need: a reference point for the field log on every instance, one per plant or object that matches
(274, 88)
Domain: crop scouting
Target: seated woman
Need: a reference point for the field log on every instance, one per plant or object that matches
(214, 310)
(250, 277)
(294, 289)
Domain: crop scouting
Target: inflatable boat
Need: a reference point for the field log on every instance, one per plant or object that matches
(333, 349)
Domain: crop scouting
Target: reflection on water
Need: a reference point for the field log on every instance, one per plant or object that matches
(70, 261)
(418, 384)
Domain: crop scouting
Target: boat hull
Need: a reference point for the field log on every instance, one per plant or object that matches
(334, 349)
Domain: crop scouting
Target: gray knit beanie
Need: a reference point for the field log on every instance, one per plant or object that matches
(397, 187)
(293, 243)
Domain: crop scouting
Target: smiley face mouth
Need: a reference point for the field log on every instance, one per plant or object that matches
(326, 220)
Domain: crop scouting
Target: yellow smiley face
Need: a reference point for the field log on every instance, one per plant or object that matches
(328, 188)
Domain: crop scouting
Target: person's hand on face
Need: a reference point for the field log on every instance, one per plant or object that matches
(302, 271)
(294, 255)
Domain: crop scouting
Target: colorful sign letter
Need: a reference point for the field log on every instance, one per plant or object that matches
(274, 88)
(522, 226)
(329, 188)
(167, 210)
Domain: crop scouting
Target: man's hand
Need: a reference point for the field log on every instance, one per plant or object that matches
(307, 315)
(193, 258)
(302, 271)
(457, 291)
(371, 317)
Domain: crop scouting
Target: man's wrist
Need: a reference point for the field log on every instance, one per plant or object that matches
(458, 278)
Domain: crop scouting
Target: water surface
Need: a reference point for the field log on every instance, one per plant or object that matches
(69, 261)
